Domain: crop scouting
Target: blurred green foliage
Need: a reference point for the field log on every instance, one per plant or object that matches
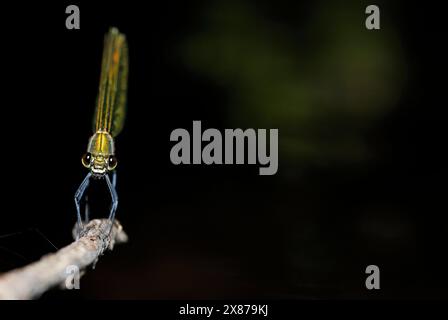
(323, 81)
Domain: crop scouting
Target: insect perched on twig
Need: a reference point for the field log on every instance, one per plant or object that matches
(108, 121)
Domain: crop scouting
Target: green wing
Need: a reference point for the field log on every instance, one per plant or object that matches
(111, 102)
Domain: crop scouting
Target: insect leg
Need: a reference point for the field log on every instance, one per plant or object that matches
(78, 196)
(114, 197)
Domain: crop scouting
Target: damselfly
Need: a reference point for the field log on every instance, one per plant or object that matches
(108, 121)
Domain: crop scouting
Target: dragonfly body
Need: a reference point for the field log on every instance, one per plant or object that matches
(100, 156)
(108, 120)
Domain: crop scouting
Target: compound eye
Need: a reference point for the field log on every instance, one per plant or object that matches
(112, 162)
(86, 158)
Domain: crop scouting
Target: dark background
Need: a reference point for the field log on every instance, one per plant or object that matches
(369, 191)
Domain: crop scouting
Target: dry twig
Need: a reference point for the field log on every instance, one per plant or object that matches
(31, 281)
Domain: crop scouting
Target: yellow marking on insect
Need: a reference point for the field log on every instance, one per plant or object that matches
(111, 102)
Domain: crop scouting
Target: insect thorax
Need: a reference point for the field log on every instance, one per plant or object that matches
(101, 143)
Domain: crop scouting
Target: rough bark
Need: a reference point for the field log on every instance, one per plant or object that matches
(33, 280)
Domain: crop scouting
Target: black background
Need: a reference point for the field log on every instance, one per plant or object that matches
(213, 231)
